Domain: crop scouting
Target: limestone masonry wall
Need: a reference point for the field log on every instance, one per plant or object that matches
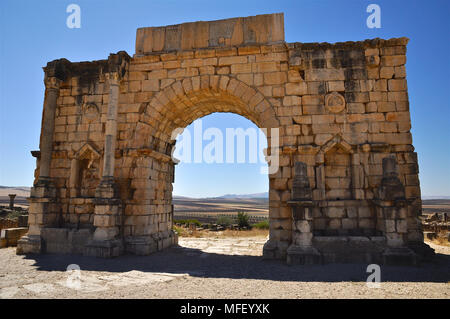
(340, 108)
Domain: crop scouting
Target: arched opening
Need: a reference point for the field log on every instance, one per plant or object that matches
(221, 171)
(149, 166)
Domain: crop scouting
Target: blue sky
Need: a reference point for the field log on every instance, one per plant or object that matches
(35, 32)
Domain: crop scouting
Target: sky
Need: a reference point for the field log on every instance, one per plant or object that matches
(35, 32)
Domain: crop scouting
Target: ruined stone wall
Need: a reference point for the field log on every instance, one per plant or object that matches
(78, 141)
(340, 108)
(8, 223)
(369, 114)
(372, 123)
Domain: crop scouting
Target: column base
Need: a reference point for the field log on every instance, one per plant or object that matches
(104, 248)
(274, 249)
(29, 244)
(298, 255)
(168, 239)
(107, 188)
(141, 246)
(43, 188)
(399, 256)
(146, 245)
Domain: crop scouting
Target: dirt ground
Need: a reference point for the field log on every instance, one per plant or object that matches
(214, 267)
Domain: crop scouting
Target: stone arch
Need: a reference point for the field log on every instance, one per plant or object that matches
(182, 102)
(128, 106)
(149, 210)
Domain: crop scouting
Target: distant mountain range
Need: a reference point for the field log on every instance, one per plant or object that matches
(264, 195)
(24, 191)
(435, 197)
(254, 195)
(18, 190)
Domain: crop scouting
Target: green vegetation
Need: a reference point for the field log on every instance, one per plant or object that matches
(224, 221)
(14, 214)
(262, 225)
(178, 230)
(242, 219)
(187, 222)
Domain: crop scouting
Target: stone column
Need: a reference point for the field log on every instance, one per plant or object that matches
(42, 210)
(357, 177)
(301, 250)
(391, 208)
(48, 127)
(111, 126)
(319, 192)
(107, 187)
(74, 176)
(108, 207)
(11, 200)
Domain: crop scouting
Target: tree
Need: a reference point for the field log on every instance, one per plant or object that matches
(243, 220)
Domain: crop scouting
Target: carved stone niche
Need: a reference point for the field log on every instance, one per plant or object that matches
(85, 172)
(334, 102)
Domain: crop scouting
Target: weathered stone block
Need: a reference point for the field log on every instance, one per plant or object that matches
(298, 88)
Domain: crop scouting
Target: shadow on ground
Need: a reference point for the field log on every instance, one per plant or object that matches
(197, 263)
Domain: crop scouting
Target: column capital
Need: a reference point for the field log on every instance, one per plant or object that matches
(117, 65)
(52, 83)
(113, 78)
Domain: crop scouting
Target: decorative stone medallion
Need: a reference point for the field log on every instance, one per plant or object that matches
(91, 112)
(335, 102)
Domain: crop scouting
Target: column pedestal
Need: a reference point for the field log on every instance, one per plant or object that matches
(301, 251)
(41, 214)
(392, 208)
(275, 249)
(107, 241)
(298, 255)
(29, 244)
(393, 216)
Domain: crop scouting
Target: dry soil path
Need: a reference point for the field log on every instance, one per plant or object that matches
(212, 268)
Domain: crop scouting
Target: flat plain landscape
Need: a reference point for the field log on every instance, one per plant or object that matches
(216, 205)
(213, 264)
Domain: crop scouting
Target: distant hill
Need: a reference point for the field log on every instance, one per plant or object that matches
(24, 191)
(264, 195)
(255, 195)
(435, 197)
(18, 190)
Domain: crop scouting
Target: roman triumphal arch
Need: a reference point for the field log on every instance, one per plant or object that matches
(345, 186)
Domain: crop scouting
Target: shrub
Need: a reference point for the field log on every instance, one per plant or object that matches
(224, 221)
(180, 231)
(14, 214)
(262, 225)
(242, 219)
(187, 222)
